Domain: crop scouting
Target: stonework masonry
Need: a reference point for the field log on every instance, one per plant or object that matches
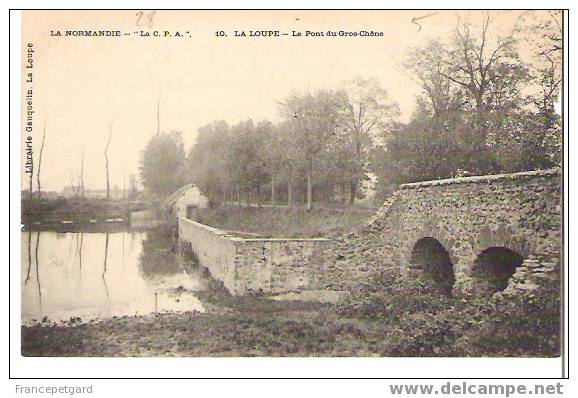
(470, 217)
(247, 264)
(520, 212)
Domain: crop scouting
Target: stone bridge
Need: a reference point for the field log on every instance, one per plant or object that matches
(473, 235)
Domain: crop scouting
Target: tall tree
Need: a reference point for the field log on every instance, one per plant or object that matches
(546, 39)
(265, 161)
(472, 115)
(369, 114)
(81, 175)
(544, 35)
(287, 157)
(314, 119)
(428, 67)
(133, 187)
(247, 165)
(208, 163)
(487, 68)
(40, 160)
(161, 164)
(106, 159)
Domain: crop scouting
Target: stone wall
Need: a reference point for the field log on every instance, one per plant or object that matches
(471, 226)
(212, 249)
(469, 217)
(250, 265)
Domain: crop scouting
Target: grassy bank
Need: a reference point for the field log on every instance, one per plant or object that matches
(283, 221)
(379, 323)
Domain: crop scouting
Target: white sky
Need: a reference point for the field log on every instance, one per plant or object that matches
(81, 84)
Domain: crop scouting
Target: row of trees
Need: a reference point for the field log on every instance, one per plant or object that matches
(319, 151)
(483, 108)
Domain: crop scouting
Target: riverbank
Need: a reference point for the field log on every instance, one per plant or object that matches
(48, 211)
(378, 323)
(285, 222)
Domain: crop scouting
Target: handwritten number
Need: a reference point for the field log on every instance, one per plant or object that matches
(139, 15)
(149, 18)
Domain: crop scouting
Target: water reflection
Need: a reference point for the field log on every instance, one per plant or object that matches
(80, 257)
(29, 257)
(159, 254)
(37, 271)
(100, 275)
(104, 270)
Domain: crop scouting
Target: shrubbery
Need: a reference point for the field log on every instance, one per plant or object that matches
(421, 322)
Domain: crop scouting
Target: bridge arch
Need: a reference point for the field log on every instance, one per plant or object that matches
(493, 268)
(430, 257)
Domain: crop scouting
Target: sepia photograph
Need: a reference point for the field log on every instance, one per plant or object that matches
(292, 183)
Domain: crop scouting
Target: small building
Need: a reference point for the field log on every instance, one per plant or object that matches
(184, 201)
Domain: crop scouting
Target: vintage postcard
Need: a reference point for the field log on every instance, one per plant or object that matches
(295, 183)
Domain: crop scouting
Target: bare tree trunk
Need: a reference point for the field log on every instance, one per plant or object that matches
(40, 161)
(29, 258)
(106, 158)
(309, 191)
(238, 197)
(37, 270)
(273, 201)
(104, 268)
(258, 195)
(75, 189)
(352, 191)
(309, 187)
(80, 252)
(248, 197)
(82, 175)
(290, 190)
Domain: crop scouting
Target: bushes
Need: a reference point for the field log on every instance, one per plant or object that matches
(421, 322)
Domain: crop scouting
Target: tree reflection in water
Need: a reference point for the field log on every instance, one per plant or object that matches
(104, 270)
(159, 253)
(37, 271)
(29, 258)
(91, 282)
(80, 258)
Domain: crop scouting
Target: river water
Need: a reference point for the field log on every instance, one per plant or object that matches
(92, 275)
